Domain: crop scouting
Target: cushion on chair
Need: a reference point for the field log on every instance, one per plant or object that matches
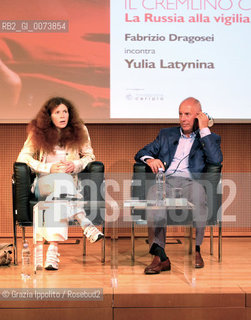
(213, 175)
(142, 180)
(94, 190)
(23, 179)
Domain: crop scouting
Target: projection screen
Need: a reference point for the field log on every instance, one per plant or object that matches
(126, 60)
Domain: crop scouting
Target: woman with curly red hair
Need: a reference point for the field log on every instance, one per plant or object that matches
(57, 148)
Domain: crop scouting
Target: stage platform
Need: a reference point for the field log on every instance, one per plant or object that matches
(218, 291)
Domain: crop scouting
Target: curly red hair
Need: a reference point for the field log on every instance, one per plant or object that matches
(46, 136)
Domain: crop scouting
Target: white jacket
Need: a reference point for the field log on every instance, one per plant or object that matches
(37, 160)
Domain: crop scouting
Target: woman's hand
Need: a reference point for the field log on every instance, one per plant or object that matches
(58, 167)
(69, 166)
(63, 167)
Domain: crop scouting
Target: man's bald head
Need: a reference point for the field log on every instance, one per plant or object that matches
(192, 102)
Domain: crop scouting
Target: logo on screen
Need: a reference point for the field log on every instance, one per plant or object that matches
(145, 97)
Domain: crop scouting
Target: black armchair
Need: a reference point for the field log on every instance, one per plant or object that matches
(24, 200)
(143, 179)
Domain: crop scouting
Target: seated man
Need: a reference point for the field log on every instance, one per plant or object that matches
(183, 152)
